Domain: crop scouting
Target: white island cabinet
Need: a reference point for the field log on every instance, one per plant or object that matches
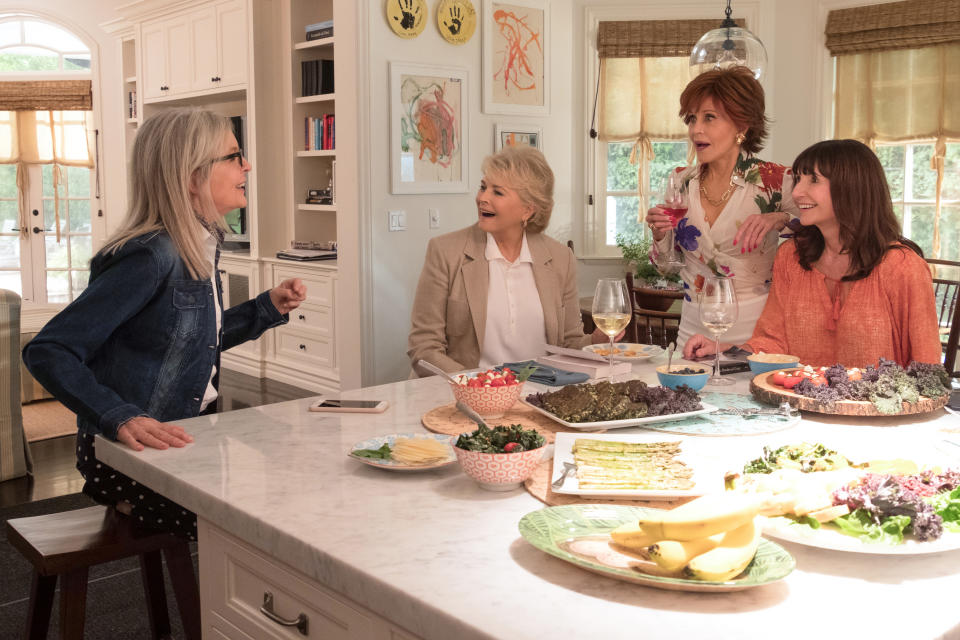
(367, 553)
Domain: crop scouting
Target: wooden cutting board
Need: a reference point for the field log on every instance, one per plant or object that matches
(765, 390)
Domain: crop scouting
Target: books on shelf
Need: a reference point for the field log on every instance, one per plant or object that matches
(131, 104)
(325, 245)
(316, 77)
(319, 30)
(306, 255)
(319, 134)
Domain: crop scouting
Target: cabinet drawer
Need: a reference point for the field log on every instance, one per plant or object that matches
(248, 576)
(312, 318)
(304, 348)
(319, 287)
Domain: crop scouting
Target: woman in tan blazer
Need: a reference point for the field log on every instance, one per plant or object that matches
(499, 290)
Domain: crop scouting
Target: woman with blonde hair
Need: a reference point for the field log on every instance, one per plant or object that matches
(141, 345)
(499, 290)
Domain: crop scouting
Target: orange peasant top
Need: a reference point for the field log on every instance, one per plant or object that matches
(889, 314)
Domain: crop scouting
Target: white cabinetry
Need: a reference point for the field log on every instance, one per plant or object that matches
(197, 51)
(238, 582)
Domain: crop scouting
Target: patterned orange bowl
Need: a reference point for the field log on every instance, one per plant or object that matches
(489, 402)
(499, 471)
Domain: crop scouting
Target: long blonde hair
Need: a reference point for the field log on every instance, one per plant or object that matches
(172, 151)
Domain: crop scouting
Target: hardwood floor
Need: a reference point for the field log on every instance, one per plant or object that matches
(54, 460)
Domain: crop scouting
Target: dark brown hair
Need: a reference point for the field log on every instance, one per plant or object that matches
(740, 96)
(861, 203)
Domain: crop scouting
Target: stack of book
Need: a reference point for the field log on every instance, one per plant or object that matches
(319, 30)
(306, 255)
(316, 77)
(131, 104)
(319, 133)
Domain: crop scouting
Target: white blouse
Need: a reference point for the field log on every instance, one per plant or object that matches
(515, 328)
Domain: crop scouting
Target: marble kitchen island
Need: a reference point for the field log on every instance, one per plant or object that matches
(369, 553)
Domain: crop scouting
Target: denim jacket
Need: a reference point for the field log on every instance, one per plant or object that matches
(141, 339)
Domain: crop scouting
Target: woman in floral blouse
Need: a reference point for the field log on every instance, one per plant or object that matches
(737, 203)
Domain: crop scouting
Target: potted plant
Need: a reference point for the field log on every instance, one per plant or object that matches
(653, 289)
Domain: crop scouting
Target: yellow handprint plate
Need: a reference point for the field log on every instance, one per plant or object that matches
(456, 20)
(407, 17)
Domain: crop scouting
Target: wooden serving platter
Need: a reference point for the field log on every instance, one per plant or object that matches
(765, 390)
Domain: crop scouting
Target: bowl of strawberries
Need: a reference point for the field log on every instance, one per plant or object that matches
(490, 393)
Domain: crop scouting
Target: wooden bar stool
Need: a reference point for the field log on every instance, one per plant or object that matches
(67, 544)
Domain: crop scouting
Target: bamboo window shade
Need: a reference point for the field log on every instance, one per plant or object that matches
(895, 25)
(651, 38)
(46, 95)
(898, 78)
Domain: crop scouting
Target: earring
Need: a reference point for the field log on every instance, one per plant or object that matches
(740, 138)
(525, 221)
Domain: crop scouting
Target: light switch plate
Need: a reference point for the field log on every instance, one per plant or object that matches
(397, 219)
(434, 218)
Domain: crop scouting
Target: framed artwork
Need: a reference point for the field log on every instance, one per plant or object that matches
(517, 135)
(515, 59)
(428, 118)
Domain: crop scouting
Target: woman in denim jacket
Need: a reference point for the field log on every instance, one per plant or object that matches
(141, 345)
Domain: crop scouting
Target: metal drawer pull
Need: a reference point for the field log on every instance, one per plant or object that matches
(267, 609)
(302, 317)
(303, 347)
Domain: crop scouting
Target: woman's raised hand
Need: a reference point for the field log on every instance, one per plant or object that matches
(288, 295)
(145, 431)
(659, 223)
(754, 229)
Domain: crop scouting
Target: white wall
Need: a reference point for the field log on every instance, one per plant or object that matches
(787, 28)
(84, 18)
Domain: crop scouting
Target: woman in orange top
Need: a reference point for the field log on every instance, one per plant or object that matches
(848, 288)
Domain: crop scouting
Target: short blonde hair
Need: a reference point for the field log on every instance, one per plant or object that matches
(172, 150)
(526, 171)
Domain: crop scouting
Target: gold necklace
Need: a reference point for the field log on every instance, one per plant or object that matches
(723, 198)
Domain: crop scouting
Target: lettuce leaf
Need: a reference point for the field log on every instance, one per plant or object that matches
(859, 524)
(947, 506)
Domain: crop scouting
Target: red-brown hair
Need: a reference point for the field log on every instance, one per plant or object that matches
(739, 95)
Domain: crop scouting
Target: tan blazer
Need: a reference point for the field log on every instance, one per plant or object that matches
(450, 308)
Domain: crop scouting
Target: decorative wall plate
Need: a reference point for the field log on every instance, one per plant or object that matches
(407, 18)
(456, 20)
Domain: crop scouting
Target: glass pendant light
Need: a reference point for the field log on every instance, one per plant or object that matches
(728, 46)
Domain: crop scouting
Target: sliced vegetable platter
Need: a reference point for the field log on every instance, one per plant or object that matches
(385, 462)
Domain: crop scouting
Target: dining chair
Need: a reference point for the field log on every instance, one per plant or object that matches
(946, 293)
(649, 326)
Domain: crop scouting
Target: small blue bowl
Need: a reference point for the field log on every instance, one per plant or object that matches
(763, 362)
(673, 380)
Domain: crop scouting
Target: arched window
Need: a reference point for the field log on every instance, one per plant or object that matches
(46, 225)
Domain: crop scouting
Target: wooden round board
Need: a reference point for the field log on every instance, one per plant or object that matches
(764, 390)
(448, 419)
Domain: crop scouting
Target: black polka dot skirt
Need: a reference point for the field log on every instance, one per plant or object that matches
(108, 486)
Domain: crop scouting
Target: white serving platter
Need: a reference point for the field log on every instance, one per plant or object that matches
(617, 424)
(827, 537)
(706, 476)
(636, 351)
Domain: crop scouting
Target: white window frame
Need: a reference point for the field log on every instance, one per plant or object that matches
(594, 151)
(33, 258)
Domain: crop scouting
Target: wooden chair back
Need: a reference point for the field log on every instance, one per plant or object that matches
(946, 292)
(650, 326)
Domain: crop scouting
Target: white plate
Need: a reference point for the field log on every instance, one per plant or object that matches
(827, 537)
(642, 351)
(393, 465)
(706, 479)
(617, 424)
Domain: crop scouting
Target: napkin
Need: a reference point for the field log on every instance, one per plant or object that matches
(549, 376)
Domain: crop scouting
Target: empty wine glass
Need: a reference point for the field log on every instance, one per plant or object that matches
(718, 312)
(673, 192)
(611, 308)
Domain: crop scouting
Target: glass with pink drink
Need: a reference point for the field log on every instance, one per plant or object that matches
(674, 195)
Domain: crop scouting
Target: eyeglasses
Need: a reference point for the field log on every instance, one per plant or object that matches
(230, 156)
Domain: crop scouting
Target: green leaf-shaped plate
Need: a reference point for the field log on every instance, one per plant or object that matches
(578, 533)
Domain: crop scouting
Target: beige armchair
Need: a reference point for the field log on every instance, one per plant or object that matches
(14, 454)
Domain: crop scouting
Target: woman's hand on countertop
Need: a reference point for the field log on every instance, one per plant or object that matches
(288, 295)
(145, 431)
(699, 346)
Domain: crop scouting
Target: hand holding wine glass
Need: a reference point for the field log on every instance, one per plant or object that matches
(674, 194)
(611, 308)
(718, 312)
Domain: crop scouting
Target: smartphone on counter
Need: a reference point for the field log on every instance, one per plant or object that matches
(351, 406)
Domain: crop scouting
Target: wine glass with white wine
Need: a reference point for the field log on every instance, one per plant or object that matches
(718, 312)
(611, 308)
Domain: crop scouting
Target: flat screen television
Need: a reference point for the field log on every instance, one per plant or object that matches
(237, 235)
